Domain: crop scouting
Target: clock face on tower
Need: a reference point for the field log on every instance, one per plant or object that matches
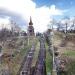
(30, 31)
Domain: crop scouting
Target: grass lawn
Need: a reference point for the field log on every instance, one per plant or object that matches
(19, 58)
(15, 63)
(70, 56)
(71, 68)
(35, 57)
(69, 53)
(48, 61)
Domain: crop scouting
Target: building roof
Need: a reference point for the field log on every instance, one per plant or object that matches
(30, 23)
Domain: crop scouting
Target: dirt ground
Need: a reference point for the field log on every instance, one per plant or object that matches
(66, 48)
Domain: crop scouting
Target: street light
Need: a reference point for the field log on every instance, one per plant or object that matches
(50, 26)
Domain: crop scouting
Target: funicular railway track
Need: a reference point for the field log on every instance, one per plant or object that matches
(40, 68)
(26, 65)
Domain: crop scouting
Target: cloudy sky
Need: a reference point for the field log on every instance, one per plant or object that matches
(41, 11)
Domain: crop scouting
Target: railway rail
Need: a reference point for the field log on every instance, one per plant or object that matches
(40, 68)
(26, 64)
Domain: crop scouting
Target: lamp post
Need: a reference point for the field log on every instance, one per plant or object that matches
(54, 65)
(51, 34)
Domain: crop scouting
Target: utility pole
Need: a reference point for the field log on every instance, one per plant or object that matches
(54, 65)
(54, 72)
(51, 34)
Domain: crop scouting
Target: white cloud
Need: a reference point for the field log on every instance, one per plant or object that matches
(26, 8)
(4, 23)
(54, 11)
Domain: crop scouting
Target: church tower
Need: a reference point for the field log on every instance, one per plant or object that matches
(30, 28)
